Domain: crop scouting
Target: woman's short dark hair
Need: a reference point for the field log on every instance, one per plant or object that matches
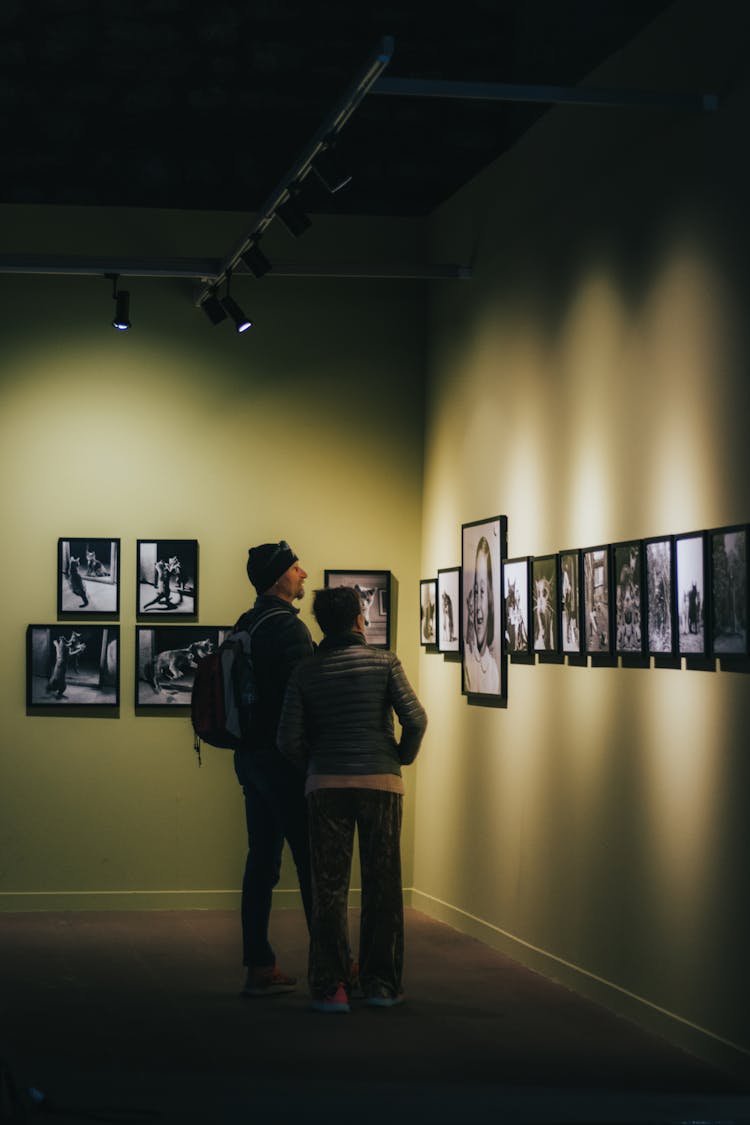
(336, 609)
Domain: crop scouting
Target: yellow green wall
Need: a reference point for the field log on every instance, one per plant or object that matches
(591, 383)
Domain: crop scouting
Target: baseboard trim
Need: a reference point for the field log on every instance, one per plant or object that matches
(690, 1036)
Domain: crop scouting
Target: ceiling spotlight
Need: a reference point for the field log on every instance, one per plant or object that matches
(329, 169)
(242, 322)
(255, 260)
(213, 310)
(121, 319)
(292, 214)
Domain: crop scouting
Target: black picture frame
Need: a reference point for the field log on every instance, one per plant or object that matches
(629, 603)
(597, 600)
(730, 590)
(428, 612)
(483, 547)
(571, 601)
(516, 586)
(73, 665)
(88, 576)
(543, 622)
(374, 589)
(692, 606)
(166, 658)
(658, 563)
(167, 578)
(449, 609)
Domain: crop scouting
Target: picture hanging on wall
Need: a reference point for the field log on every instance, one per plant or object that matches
(73, 665)
(544, 603)
(658, 561)
(570, 601)
(449, 609)
(427, 615)
(166, 657)
(483, 546)
(596, 600)
(516, 605)
(88, 576)
(374, 589)
(729, 590)
(627, 575)
(690, 581)
(167, 577)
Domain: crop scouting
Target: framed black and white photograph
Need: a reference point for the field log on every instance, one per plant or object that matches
(166, 657)
(729, 590)
(88, 576)
(427, 615)
(167, 575)
(374, 589)
(691, 586)
(483, 546)
(544, 604)
(569, 570)
(629, 602)
(658, 561)
(597, 629)
(449, 609)
(73, 665)
(517, 605)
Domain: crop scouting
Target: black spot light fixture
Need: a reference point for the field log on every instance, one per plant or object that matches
(121, 297)
(292, 214)
(241, 322)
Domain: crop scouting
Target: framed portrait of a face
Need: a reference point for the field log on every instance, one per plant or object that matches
(448, 609)
(374, 589)
(629, 609)
(544, 607)
(729, 590)
(483, 546)
(166, 659)
(569, 572)
(167, 577)
(658, 562)
(597, 630)
(88, 576)
(427, 614)
(73, 665)
(691, 575)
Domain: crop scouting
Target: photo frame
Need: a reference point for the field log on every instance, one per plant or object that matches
(544, 603)
(449, 609)
(73, 665)
(427, 611)
(88, 576)
(517, 605)
(729, 590)
(571, 602)
(374, 589)
(483, 546)
(691, 587)
(166, 659)
(629, 601)
(595, 582)
(658, 563)
(167, 577)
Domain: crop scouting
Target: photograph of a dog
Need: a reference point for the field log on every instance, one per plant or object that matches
(73, 665)
(374, 589)
(166, 659)
(167, 575)
(88, 576)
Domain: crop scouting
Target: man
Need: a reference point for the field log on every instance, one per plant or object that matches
(275, 808)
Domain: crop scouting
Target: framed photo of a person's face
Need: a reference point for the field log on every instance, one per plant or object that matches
(517, 605)
(691, 575)
(483, 546)
(374, 589)
(544, 605)
(73, 665)
(88, 577)
(166, 659)
(729, 590)
(449, 609)
(427, 614)
(569, 570)
(597, 630)
(658, 562)
(167, 577)
(629, 607)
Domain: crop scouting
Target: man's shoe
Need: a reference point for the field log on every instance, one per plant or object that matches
(334, 1001)
(384, 1000)
(355, 988)
(267, 982)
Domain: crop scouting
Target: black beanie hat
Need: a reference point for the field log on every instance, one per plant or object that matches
(267, 563)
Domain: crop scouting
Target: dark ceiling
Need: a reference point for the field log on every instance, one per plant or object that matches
(178, 104)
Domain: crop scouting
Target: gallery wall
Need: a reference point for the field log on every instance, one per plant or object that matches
(178, 429)
(591, 384)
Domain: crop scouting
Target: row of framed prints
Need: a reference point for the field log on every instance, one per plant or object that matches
(88, 577)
